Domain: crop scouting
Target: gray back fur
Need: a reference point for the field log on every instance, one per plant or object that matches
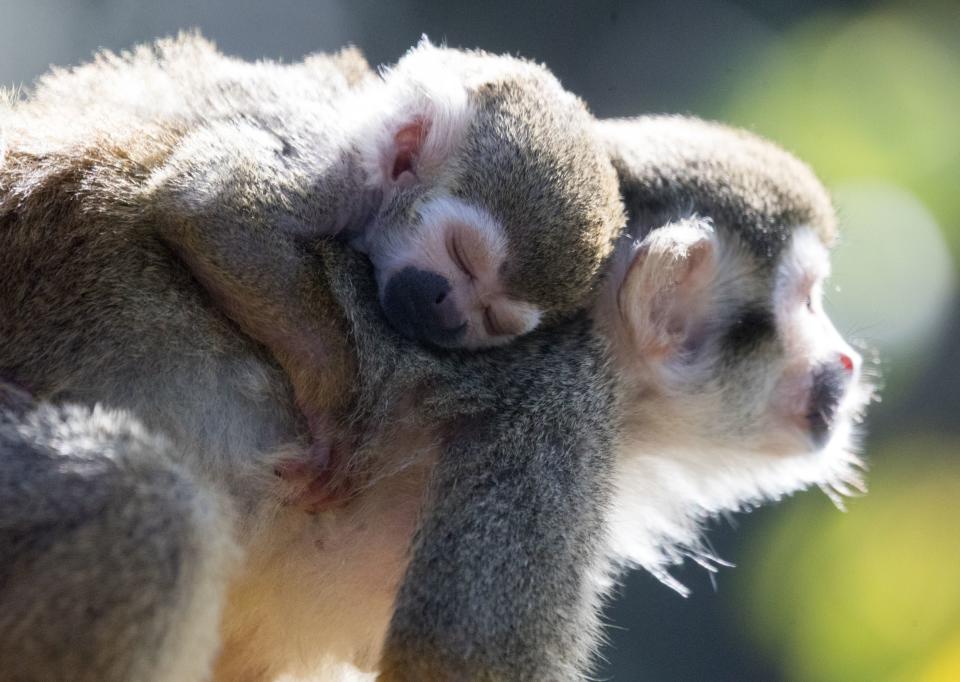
(114, 559)
(673, 167)
(97, 311)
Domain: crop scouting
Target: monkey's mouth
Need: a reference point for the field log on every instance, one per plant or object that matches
(823, 408)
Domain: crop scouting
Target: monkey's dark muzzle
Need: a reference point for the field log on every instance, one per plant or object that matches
(417, 304)
(829, 387)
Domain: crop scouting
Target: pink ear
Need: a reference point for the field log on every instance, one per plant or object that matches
(407, 143)
(665, 289)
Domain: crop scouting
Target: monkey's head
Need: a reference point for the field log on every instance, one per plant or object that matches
(738, 349)
(735, 385)
(499, 204)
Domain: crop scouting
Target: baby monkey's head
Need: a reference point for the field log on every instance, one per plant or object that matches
(499, 204)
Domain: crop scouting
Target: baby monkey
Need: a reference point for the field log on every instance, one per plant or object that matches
(474, 183)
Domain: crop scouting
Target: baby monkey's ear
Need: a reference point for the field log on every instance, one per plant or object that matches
(665, 290)
(407, 146)
(417, 128)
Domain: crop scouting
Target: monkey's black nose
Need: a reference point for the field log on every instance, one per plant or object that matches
(418, 305)
(829, 386)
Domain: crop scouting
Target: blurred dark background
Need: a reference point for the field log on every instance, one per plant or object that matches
(869, 94)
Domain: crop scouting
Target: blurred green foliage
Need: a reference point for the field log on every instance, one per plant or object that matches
(872, 101)
(874, 95)
(869, 595)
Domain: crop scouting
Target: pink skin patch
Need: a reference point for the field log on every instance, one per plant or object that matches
(311, 474)
(408, 141)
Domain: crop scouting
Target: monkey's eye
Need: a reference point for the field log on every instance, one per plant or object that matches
(456, 253)
(808, 289)
(490, 323)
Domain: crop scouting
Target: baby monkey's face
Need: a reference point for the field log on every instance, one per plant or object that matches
(733, 357)
(441, 276)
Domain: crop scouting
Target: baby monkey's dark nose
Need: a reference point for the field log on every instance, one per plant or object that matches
(418, 305)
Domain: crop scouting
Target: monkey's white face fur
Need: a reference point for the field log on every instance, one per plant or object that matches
(736, 386)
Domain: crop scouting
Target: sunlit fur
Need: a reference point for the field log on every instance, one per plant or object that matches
(311, 154)
(114, 318)
(99, 156)
(126, 522)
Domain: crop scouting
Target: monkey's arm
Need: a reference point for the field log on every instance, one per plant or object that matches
(504, 579)
(113, 560)
(273, 288)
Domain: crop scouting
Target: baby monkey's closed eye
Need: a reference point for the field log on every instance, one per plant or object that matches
(492, 325)
(455, 249)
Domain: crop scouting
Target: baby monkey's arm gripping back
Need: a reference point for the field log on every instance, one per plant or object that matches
(500, 584)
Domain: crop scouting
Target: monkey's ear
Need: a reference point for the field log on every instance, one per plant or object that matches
(666, 288)
(409, 127)
(404, 154)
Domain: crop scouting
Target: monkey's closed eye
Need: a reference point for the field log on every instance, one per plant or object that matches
(807, 290)
(490, 323)
(453, 246)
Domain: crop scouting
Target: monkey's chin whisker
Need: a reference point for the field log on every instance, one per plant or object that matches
(664, 501)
